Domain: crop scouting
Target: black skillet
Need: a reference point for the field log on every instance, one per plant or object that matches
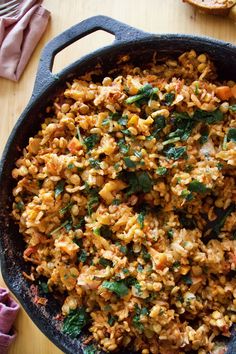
(128, 40)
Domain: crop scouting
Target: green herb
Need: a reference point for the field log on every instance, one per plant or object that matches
(169, 98)
(137, 182)
(96, 231)
(219, 166)
(126, 132)
(204, 135)
(176, 265)
(105, 231)
(136, 318)
(180, 298)
(171, 141)
(129, 163)
(94, 163)
(146, 256)
(187, 223)
(170, 234)
(115, 116)
(187, 280)
(78, 242)
(60, 227)
(140, 268)
(80, 223)
(116, 166)
(106, 121)
(183, 125)
(232, 108)
(161, 171)
(140, 219)
(138, 154)
(123, 249)
(93, 200)
(125, 271)
(43, 287)
(187, 195)
(208, 117)
(75, 322)
(91, 141)
(144, 94)
(59, 188)
(116, 202)
(69, 225)
(105, 262)
(66, 208)
(196, 91)
(123, 147)
(175, 153)
(123, 121)
(138, 288)
(188, 168)
(20, 205)
(70, 166)
(82, 257)
(118, 287)
(232, 134)
(90, 349)
(220, 221)
(112, 319)
(158, 124)
(198, 187)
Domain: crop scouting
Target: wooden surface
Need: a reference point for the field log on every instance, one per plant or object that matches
(169, 16)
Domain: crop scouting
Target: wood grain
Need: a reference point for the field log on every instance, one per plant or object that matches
(170, 16)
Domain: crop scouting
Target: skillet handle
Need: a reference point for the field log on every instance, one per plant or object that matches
(122, 32)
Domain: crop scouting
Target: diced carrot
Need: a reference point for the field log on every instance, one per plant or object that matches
(233, 90)
(223, 92)
(74, 145)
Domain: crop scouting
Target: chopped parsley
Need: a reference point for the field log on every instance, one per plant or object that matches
(93, 200)
(208, 117)
(187, 279)
(118, 287)
(91, 141)
(105, 262)
(94, 163)
(90, 349)
(144, 94)
(231, 136)
(175, 153)
(137, 182)
(129, 163)
(158, 125)
(169, 98)
(140, 219)
(43, 287)
(66, 208)
(112, 319)
(198, 187)
(20, 205)
(75, 322)
(138, 312)
(123, 147)
(82, 257)
(232, 108)
(59, 188)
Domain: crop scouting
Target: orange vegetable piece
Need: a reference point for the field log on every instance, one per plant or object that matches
(74, 145)
(223, 92)
(233, 90)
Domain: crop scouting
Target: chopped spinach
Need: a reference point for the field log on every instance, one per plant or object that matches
(129, 163)
(126, 132)
(220, 221)
(123, 249)
(144, 94)
(187, 279)
(118, 287)
(204, 135)
(80, 223)
(105, 262)
(94, 163)
(106, 121)
(176, 265)
(20, 205)
(116, 202)
(59, 188)
(231, 134)
(169, 98)
(90, 349)
(138, 312)
(123, 121)
(82, 256)
(70, 166)
(232, 108)
(183, 125)
(175, 153)
(161, 171)
(170, 234)
(66, 208)
(93, 200)
(158, 125)
(60, 227)
(219, 165)
(91, 140)
(123, 147)
(187, 195)
(137, 182)
(198, 187)
(212, 117)
(112, 319)
(75, 322)
(43, 287)
(146, 256)
(140, 219)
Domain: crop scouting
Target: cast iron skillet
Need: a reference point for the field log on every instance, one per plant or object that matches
(140, 46)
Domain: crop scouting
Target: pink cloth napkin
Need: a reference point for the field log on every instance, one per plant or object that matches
(19, 36)
(8, 311)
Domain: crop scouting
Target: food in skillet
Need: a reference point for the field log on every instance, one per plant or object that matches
(126, 200)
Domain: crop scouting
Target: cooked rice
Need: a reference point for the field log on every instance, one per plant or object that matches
(108, 198)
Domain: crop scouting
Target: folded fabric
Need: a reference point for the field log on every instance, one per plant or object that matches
(19, 36)
(8, 312)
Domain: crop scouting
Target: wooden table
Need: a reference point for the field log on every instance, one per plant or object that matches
(169, 16)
